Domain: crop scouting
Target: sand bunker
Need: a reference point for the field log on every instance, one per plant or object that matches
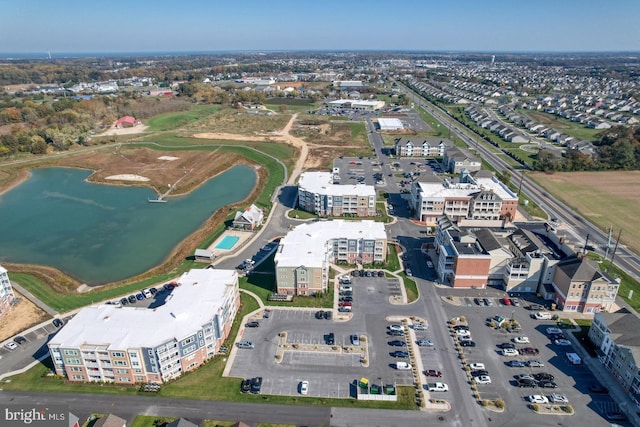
(128, 177)
(168, 158)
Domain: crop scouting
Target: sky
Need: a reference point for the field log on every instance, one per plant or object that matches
(87, 26)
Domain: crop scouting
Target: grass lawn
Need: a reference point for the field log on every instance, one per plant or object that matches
(300, 214)
(171, 121)
(149, 421)
(410, 287)
(393, 263)
(575, 129)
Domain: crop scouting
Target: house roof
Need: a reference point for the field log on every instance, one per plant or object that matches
(110, 421)
(487, 240)
(624, 327)
(181, 422)
(580, 269)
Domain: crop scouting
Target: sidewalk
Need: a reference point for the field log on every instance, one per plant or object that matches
(28, 295)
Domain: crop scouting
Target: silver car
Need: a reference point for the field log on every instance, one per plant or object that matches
(245, 344)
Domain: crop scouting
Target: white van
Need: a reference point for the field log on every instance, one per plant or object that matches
(573, 358)
(543, 315)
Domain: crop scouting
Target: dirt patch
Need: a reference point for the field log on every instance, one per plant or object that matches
(22, 316)
(124, 131)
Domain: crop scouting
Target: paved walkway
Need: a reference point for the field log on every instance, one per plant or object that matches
(28, 295)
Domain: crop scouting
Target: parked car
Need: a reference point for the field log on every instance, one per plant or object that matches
(505, 345)
(400, 353)
(538, 398)
(467, 343)
(535, 307)
(542, 315)
(346, 288)
(521, 340)
(615, 416)
(516, 364)
(11, 345)
(483, 379)
(598, 388)
(524, 376)
(139, 296)
(420, 327)
(535, 364)
(461, 328)
(328, 315)
(479, 301)
(527, 383)
(515, 302)
(562, 342)
(547, 384)
(553, 330)
(395, 333)
(397, 343)
(58, 322)
(345, 304)
(355, 340)
(319, 314)
(132, 299)
(509, 352)
(530, 351)
(424, 343)
(402, 366)
(245, 387)
(398, 328)
(463, 332)
(20, 339)
(543, 376)
(252, 324)
(256, 384)
(479, 372)
(506, 301)
(558, 398)
(331, 338)
(245, 344)
(344, 309)
(304, 387)
(433, 373)
(346, 299)
(475, 366)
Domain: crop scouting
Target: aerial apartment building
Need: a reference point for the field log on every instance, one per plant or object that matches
(304, 255)
(6, 293)
(421, 147)
(181, 329)
(318, 194)
(479, 197)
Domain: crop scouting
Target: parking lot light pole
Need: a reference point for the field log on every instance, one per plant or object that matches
(513, 312)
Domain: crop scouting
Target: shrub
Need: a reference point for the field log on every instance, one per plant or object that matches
(568, 409)
(535, 407)
(463, 319)
(499, 403)
(484, 402)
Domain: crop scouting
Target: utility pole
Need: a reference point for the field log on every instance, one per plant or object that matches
(613, 254)
(606, 253)
(521, 179)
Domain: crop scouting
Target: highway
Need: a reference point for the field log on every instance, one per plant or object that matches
(578, 225)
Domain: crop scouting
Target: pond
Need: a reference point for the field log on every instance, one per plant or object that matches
(102, 233)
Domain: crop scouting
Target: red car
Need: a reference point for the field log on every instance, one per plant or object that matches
(529, 351)
(506, 301)
(345, 304)
(433, 373)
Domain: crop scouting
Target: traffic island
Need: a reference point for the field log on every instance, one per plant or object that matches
(552, 409)
(284, 346)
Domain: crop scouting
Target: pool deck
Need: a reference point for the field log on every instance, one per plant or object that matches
(243, 236)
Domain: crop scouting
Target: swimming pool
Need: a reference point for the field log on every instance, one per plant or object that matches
(227, 242)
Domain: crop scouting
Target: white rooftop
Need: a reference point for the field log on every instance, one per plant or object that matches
(438, 190)
(307, 243)
(357, 102)
(390, 123)
(193, 303)
(322, 183)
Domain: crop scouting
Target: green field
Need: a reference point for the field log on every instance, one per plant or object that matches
(575, 129)
(172, 121)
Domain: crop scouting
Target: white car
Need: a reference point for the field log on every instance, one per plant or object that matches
(403, 366)
(554, 330)
(482, 379)
(562, 342)
(304, 387)
(397, 328)
(538, 398)
(11, 345)
(429, 264)
(424, 343)
(510, 352)
(346, 288)
(465, 338)
(463, 333)
(521, 340)
(420, 327)
(543, 315)
(477, 366)
(535, 364)
(558, 398)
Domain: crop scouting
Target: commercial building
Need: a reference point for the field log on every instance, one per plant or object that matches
(303, 258)
(617, 339)
(421, 147)
(390, 124)
(352, 104)
(6, 293)
(181, 329)
(318, 194)
(479, 197)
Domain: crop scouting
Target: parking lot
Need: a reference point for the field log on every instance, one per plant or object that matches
(572, 380)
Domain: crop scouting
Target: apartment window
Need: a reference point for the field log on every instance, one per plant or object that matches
(73, 361)
(139, 378)
(117, 354)
(70, 352)
(137, 371)
(76, 369)
(134, 363)
(78, 377)
(122, 371)
(120, 363)
(124, 379)
(189, 349)
(187, 341)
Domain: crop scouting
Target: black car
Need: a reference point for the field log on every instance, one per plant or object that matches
(57, 323)
(505, 345)
(399, 353)
(527, 382)
(132, 299)
(615, 416)
(124, 301)
(543, 376)
(256, 384)
(397, 343)
(331, 339)
(598, 388)
(381, 273)
(479, 372)
(553, 337)
(346, 298)
(516, 364)
(20, 339)
(153, 291)
(467, 343)
(460, 328)
(319, 314)
(328, 315)
(547, 384)
(253, 324)
(245, 387)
